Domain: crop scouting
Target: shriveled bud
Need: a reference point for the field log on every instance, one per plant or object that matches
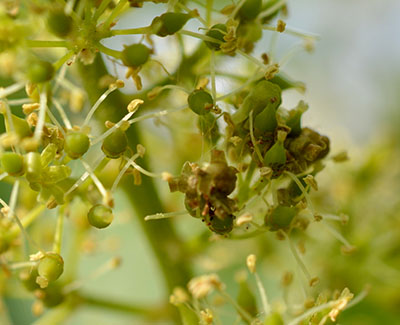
(310, 180)
(280, 26)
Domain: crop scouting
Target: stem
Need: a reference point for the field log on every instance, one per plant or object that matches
(144, 198)
(131, 31)
(272, 9)
(59, 230)
(105, 303)
(115, 13)
(57, 65)
(40, 43)
(108, 51)
(263, 295)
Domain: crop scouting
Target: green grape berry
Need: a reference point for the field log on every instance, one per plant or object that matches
(250, 9)
(59, 23)
(100, 216)
(28, 278)
(52, 295)
(51, 266)
(221, 226)
(76, 144)
(169, 23)
(281, 217)
(218, 32)
(115, 144)
(33, 166)
(12, 163)
(40, 71)
(200, 101)
(135, 55)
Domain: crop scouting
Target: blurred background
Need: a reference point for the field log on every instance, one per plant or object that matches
(352, 81)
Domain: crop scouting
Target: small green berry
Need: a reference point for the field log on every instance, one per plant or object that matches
(115, 144)
(59, 23)
(40, 71)
(100, 216)
(218, 32)
(33, 166)
(135, 55)
(12, 163)
(281, 217)
(52, 295)
(200, 101)
(51, 266)
(28, 278)
(76, 144)
(250, 9)
(221, 226)
(169, 23)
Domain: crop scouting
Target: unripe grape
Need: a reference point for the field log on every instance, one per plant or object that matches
(169, 23)
(51, 266)
(250, 9)
(28, 278)
(52, 295)
(100, 216)
(12, 163)
(40, 71)
(221, 226)
(200, 101)
(33, 166)
(135, 55)
(281, 217)
(76, 144)
(115, 144)
(216, 32)
(59, 23)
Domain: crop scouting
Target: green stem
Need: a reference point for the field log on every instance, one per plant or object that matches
(59, 230)
(115, 13)
(57, 65)
(131, 31)
(104, 303)
(166, 245)
(39, 43)
(108, 51)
